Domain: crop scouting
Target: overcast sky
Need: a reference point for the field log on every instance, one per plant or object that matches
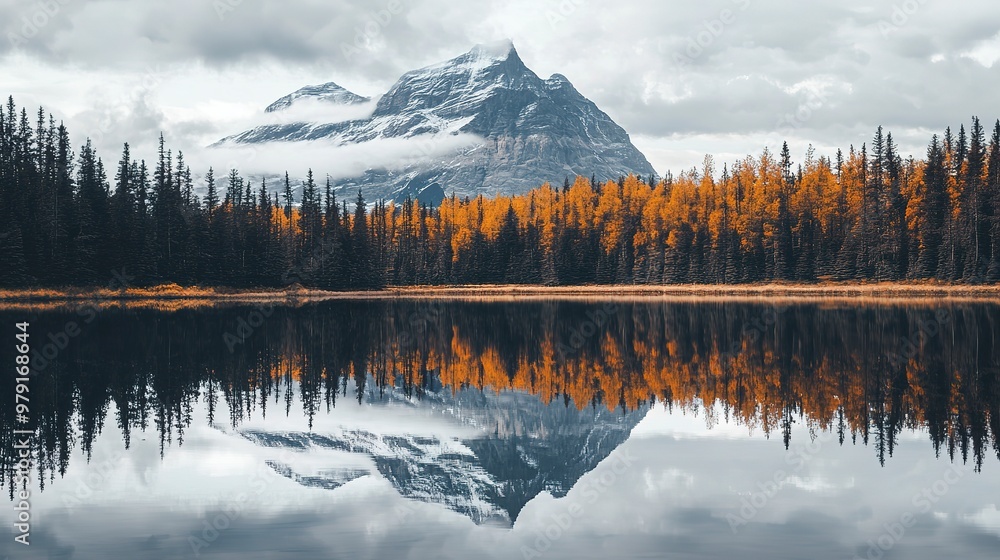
(685, 78)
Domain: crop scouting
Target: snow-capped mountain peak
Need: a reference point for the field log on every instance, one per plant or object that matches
(517, 130)
(479, 57)
(498, 50)
(329, 92)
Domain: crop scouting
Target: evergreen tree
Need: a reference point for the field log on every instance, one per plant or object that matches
(934, 203)
(93, 236)
(991, 204)
(360, 257)
(976, 209)
(212, 195)
(311, 226)
(289, 198)
(784, 257)
(124, 208)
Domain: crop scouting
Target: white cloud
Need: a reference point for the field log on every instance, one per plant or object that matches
(328, 158)
(986, 53)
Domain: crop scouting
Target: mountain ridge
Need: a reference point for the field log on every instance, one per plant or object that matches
(529, 130)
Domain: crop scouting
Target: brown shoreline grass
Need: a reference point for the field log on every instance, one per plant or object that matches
(172, 297)
(844, 289)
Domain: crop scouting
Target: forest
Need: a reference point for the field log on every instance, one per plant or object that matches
(867, 214)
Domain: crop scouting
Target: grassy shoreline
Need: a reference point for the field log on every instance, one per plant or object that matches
(176, 297)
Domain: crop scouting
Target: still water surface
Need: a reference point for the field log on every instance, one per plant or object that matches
(559, 429)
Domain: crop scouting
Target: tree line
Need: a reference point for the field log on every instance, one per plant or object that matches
(867, 214)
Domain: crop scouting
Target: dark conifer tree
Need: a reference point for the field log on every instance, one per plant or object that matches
(895, 249)
(992, 204)
(124, 211)
(289, 197)
(93, 236)
(360, 257)
(976, 208)
(784, 260)
(934, 198)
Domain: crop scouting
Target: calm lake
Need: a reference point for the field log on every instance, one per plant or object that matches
(543, 429)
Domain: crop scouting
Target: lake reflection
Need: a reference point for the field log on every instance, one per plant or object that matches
(545, 429)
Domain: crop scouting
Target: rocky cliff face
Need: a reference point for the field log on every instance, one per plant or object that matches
(526, 130)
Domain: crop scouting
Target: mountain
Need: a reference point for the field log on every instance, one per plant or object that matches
(523, 447)
(524, 130)
(328, 92)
